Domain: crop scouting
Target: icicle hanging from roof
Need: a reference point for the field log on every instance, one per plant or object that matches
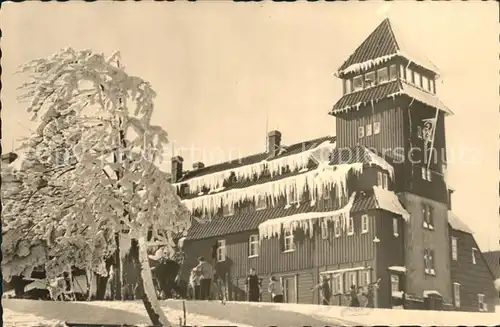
(275, 167)
(314, 182)
(305, 221)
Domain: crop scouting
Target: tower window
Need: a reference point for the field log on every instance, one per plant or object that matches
(357, 83)
(416, 79)
(376, 128)
(393, 72)
(370, 79)
(361, 132)
(425, 83)
(347, 86)
(426, 174)
(409, 76)
(382, 180)
(368, 129)
(382, 75)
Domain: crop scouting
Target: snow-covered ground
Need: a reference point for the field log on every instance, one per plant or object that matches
(26, 313)
(19, 319)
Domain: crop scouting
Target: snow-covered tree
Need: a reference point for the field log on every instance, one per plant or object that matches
(100, 117)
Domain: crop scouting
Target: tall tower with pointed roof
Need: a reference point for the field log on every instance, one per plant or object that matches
(390, 106)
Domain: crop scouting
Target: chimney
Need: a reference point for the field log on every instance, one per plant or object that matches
(176, 168)
(198, 165)
(273, 143)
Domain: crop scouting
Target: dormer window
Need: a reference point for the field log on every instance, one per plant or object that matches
(370, 79)
(260, 202)
(357, 83)
(393, 73)
(382, 75)
(227, 210)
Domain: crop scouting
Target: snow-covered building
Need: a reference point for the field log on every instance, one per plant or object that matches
(369, 204)
(472, 271)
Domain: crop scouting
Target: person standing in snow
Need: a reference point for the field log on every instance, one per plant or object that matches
(276, 290)
(206, 275)
(253, 286)
(354, 296)
(325, 292)
(194, 284)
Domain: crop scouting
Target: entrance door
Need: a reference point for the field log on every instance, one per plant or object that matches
(289, 289)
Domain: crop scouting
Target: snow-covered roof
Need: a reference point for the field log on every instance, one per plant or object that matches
(431, 292)
(359, 154)
(386, 42)
(368, 97)
(388, 200)
(457, 224)
(295, 157)
(398, 268)
(338, 271)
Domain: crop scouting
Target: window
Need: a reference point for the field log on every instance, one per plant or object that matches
(260, 202)
(433, 86)
(288, 242)
(426, 174)
(326, 194)
(357, 83)
(394, 283)
(456, 294)
(253, 246)
(425, 83)
(480, 302)
(428, 220)
(348, 86)
(409, 75)
(221, 250)
(474, 251)
(454, 248)
(382, 180)
(401, 71)
(417, 79)
(293, 195)
(336, 227)
(361, 132)
(382, 75)
(370, 79)
(324, 229)
(364, 224)
(376, 128)
(350, 279)
(337, 284)
(368, 129)
(350, 229)
(429, 262)
(364, 278)
(228, 210)
(395, 229)
(393, 73)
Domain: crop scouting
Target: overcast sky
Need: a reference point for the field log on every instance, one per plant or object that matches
(220, 68)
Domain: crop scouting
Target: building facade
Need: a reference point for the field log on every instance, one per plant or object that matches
(370, 204)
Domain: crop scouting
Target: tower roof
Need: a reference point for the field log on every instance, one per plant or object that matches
(384, 43)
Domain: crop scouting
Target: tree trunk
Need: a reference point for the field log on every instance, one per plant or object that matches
(89, 275)
(149, 298)
(102, 281)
